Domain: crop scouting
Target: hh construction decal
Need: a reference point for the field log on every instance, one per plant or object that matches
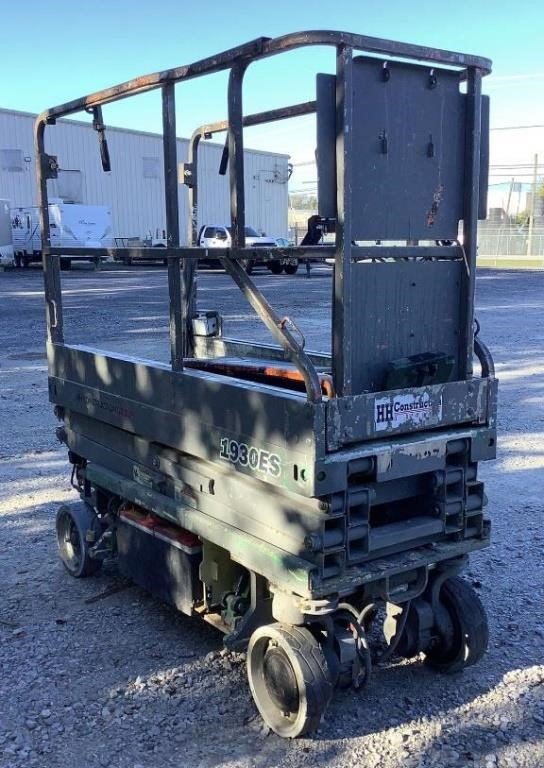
(391, 412)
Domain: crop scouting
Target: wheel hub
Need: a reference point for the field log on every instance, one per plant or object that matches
(280, 680)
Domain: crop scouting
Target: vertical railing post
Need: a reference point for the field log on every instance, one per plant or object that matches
(172, 223)
(51, 264)
(236, 154)
(471, 198)
(341, 304)
(190, 265)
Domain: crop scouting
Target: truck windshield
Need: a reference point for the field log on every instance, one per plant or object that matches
(249, 232)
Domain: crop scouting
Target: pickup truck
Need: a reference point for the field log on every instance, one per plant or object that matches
(219, 236)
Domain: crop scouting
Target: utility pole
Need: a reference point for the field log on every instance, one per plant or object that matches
(505, 219)
(532, 211)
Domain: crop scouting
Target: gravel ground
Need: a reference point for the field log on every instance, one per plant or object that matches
(98, 673)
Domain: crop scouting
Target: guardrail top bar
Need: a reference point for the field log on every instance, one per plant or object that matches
(261, 48)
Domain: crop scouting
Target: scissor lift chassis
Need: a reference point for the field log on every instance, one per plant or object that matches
(288, 496)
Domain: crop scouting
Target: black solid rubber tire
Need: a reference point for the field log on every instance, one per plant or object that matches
(81, 518)
(291, 269)
(275, 267)
(471, 631)
(314, 679)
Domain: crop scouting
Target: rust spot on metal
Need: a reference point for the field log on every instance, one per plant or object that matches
(437, 199)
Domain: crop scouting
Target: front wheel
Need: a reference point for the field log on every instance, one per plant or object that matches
(78, 528)
(466, 634)
(289, 678)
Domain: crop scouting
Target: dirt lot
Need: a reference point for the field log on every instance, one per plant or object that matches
(97, 673)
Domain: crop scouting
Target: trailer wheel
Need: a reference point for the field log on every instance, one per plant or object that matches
(65, 263)
(77, 528)
(26, 260)
(469, 633)
(291, 269)
(289, 678)
(275, 267)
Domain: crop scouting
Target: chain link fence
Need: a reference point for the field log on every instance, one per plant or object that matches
(511, 246)
(499, 245)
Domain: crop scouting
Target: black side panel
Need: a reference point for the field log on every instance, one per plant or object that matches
(409, 135)
(402, 309)
(326, 143)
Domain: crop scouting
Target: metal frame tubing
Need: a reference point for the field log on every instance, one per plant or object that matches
(236, 155)
(261, 48)
(470, 214)
(51, 264)
(341, 322)
(172, 223)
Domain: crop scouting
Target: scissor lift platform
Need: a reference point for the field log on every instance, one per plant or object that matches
(296, 499)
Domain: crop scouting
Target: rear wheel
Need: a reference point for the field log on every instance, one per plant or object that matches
(291, 269)
(289, 678)
(464, 629)
(78, 528)
(275, 267)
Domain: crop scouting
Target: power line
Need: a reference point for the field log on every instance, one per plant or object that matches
(515, 127)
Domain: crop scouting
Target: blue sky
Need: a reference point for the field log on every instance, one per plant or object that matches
(56, 50)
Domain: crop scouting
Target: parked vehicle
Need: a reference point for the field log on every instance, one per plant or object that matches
(219, 236)
(71, 225)
(6, 243)
(287, 265)
(135, 243)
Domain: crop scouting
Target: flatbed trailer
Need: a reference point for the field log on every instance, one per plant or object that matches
(315, 508)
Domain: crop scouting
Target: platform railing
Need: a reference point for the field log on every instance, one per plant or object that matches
(182, 261)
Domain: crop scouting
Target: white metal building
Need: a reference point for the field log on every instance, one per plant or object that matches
(135, 186)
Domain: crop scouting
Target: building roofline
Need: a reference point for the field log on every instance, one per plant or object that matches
(134, 131)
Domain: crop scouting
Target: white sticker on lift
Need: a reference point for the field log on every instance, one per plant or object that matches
(393, 412)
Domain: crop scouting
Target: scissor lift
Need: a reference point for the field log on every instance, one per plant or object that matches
(316, 508)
